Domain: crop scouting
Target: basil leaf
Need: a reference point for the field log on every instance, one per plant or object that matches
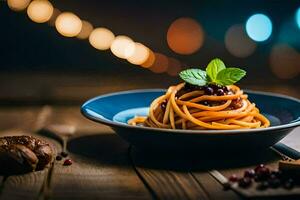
(194, 76)
(213, 68)
(229, 76)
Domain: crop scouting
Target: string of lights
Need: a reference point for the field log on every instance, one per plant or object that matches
(185, 36)
(69, 24)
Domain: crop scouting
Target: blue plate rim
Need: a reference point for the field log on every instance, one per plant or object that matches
(117, 124)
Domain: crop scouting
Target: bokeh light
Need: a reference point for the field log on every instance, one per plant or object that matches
(18, 5)
(160, 64)
(150, 60)
(185, 36)
(238, 43)
(285, 61)
(86, 30)
(298, 17)
(101, 38)
(259, 27)
(288, 33)
(174, 67)
(68, 24)
(55, 14)
(122, 47)
(140, 54)
(40, 11)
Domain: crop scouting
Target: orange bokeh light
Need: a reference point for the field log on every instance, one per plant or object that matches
(174, 67)
(18, 5)
(86, 30)
(185, 36)
(101, 38)
(40, 11)
(160, 64)
(55, 14)
(238, 43)
(122, 47)
(149, 62)
(284, 61)
(140, 54)
(68, 24)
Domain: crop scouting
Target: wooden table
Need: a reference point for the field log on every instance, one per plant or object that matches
(104, 165)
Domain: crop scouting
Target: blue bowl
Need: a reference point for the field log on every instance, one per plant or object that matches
(116, 108)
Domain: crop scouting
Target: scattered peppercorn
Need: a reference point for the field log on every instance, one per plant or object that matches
(274, 182)
(245, 182)
(263, 185)
(58, 157)
(258, 167)
(256, 178)
(265, 177)
(250, 173)
(233, 178)
(289, 184)
(277, 174)
(262, 173)
(68, 162)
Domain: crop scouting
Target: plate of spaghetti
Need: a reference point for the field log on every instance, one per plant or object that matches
(207, 111)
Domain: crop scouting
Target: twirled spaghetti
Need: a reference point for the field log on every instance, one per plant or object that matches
(193, 109)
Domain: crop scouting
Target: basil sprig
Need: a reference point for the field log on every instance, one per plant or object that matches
(216, 73)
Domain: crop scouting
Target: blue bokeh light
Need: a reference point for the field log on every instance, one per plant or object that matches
(259, 27)
(298, 17)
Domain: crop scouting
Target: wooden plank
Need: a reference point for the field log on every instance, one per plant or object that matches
(167, 184)
(93, 180)
(18, 119)
(71, 116)
(27, 186)
(101, 169)
(30, 185)
(213, 188)
(167, 179)
(76, 87)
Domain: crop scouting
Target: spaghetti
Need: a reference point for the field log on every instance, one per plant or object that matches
(180, 108)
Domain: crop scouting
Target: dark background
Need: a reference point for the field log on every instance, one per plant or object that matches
(36, 62)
